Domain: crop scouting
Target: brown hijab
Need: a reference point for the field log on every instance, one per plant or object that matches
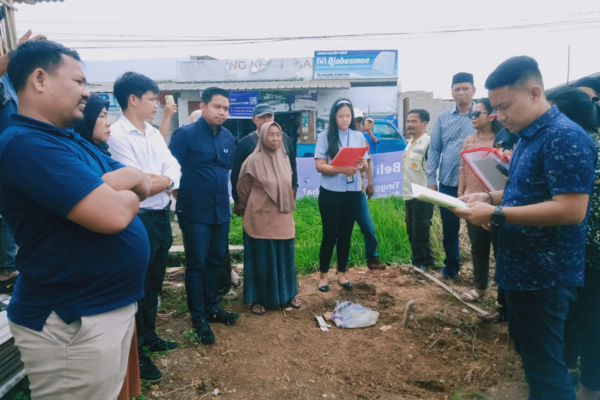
(272, 170)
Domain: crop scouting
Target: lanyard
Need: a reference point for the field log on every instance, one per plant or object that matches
(349, 179)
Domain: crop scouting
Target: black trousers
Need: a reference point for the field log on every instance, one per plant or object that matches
(418, 224)
(480, 239)
(338, 214)
(158, 227)
(582, 331)
(502, 309)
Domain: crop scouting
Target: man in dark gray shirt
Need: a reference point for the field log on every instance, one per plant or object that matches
(263, 113)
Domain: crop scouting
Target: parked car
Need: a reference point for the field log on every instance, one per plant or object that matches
(390, 138)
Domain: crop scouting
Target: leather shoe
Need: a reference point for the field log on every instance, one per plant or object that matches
(148, 371)
(163, 345)
(203, 332)
(221, 315)
(376, 264)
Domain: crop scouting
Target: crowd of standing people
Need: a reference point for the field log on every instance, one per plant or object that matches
(88, 204)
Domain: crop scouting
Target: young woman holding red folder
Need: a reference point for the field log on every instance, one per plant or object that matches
(341, 188)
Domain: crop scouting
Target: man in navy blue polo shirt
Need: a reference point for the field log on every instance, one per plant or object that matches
(82, 250)
(204, 150)
(8, 106)
(542, 215)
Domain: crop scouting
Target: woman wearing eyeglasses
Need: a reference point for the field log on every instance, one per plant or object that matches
(486, 126)
(340, 192)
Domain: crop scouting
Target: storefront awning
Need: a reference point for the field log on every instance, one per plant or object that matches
(238, 86)
(262, 85)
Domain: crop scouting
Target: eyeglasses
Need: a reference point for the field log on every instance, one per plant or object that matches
(477, 114)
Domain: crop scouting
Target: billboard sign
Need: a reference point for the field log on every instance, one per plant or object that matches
(356, 64)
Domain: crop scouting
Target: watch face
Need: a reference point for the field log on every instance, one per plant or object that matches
(498, 217)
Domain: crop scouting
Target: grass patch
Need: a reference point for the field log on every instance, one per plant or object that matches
(173, 300)
(458, 395)
(388, 217)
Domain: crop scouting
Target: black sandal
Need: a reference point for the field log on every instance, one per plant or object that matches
(324, 289)
(347, 285)
(293, 306)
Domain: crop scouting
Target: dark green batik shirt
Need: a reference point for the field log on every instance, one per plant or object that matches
(592, 248)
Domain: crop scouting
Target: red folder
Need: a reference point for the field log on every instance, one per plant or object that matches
(348, 156)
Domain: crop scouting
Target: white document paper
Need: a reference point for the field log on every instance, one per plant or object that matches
(439, 199)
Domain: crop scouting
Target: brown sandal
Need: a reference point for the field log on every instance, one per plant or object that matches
(259, 307)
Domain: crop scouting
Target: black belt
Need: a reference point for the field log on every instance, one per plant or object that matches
(148, 211)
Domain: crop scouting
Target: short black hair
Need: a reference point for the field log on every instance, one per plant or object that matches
(208, 93)
(423, 114)
(132, 83)
(513, 72)
(591, 82)
(35, 54)
(577, 105)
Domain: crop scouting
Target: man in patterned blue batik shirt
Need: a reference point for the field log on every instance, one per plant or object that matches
(449, 132)
(542, 216)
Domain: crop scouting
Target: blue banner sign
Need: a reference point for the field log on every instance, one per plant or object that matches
(356, 64)
(387, 175)
(241, 104)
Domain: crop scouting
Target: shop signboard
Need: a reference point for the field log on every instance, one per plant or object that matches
(356, 64)
(290, 101)
(241, 104)
(276, 69)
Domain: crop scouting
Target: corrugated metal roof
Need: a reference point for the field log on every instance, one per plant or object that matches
(37, 1)
(263, 85)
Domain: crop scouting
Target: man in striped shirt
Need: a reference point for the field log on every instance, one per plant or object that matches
(449, 132)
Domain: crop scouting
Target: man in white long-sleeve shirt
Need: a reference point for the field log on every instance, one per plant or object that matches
(136, 143)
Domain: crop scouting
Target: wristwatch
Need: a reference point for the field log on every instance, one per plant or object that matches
(498, 217)
(171, 183)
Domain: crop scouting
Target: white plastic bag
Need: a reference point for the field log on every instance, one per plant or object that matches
(350, 315)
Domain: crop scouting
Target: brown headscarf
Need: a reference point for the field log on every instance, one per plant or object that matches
(272, 170)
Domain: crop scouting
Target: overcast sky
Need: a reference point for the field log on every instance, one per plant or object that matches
(428, 54)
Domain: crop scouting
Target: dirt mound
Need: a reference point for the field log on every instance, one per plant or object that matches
(284, 355)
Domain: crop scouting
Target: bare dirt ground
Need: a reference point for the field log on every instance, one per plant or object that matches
(284, 355)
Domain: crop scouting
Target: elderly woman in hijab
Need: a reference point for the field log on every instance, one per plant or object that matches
(95, 127)
(265, 190)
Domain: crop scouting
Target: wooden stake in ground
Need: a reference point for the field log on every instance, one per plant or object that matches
(408, 311)
(449, 289)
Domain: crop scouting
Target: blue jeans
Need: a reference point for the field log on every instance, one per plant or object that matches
(450, 227)
(365, 222)
(536, 324)
(205, 247)
(8, 250)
